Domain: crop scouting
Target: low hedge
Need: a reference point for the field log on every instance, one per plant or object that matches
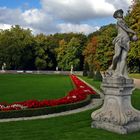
(45, 110)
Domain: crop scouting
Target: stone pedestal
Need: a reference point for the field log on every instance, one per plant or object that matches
(117, 114)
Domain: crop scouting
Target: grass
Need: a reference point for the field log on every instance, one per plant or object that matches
(135, 75)
(135, 95)
(71, 127)
(95, 84)
(136, 98)
(21, 87)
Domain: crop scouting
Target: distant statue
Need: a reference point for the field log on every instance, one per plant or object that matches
(118, 67)
(71, 71)
(57, 68)
(3, 67)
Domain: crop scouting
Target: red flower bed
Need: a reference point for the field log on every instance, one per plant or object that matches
(78, 94)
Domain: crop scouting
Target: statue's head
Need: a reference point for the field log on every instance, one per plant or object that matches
(118, 14)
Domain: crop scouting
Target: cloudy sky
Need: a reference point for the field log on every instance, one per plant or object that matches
(51, 16)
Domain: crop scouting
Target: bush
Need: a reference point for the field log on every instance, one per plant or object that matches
(86, 69)
(85, 73)
(98, 76)
(91, 74)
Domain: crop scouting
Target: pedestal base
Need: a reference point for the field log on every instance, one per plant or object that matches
(129, 128)
(117, 114)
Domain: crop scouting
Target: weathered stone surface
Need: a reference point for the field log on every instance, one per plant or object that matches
(121, 42)
(117, 113)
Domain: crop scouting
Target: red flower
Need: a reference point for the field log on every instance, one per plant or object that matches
(78, 94)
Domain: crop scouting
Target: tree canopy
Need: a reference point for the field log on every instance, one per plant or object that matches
(133, 20)
(20, 49)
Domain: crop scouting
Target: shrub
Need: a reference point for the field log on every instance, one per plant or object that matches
(98, 76)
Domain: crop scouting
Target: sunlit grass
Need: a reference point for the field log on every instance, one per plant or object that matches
(135, 75)
(22, 87)
(71, 127)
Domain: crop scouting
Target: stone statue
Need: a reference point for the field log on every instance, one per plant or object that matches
(3, 67)
(117, 114)
(118, 67)
(71, 71)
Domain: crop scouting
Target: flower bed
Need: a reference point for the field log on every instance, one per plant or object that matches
(78, 94)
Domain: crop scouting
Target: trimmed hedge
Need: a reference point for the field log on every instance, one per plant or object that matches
(45, 110)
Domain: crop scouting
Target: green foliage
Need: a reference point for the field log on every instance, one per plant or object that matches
(90, 56)
(98, 76)
(16, 48)
(40, 63)
(61, 51)
(73, 52)
(68, 54)
(85, 69)
(133, 20)
(105, 48)
(43, 52)
(106, 34)
(99, 50)
(91, 74)
(19, 49)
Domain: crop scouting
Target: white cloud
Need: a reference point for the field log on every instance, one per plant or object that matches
(61, 15)
(78, 10)
(5, 26)
(81, 10)
(120, 4)
(77, 28)
(34, 16)
(39, 20)
(9, 16)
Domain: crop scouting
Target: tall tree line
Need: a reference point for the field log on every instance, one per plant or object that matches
(20, 49)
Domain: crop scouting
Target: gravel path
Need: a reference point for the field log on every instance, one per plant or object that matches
(93, 104)
(137, 83)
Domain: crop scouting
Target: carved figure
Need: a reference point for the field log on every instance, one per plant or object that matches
(118, 67)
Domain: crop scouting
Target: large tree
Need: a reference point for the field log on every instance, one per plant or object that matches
(102, 55)
(16, 48)
(43, 52)
(68, 54)
(105, 49)
(61, 51)
(90, 54)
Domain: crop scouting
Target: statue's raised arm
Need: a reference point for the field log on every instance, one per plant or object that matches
(123, 25)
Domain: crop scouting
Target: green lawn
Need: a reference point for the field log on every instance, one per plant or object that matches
(135, 95)
(95, 84)
(20, 87)
(71, 127)
(135, 75)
